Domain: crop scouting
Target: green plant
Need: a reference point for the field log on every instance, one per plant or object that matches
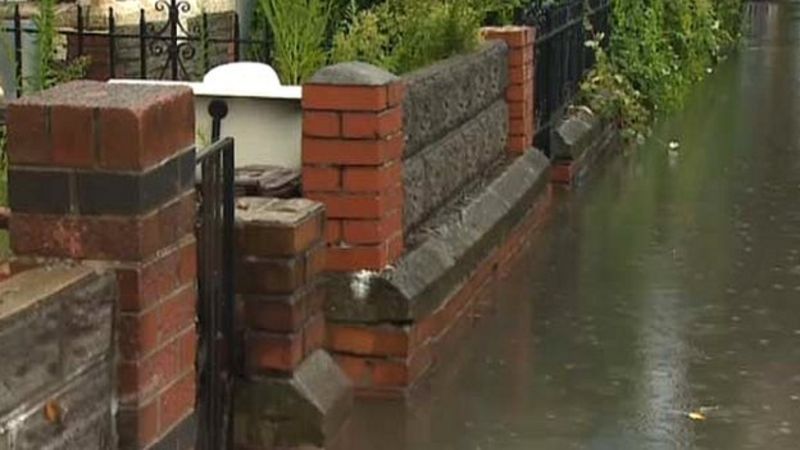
(403, 35)
(51, 71)
(298, 32)
(658, 49)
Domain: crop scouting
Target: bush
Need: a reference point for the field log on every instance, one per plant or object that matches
(403, 35)
(657, 50)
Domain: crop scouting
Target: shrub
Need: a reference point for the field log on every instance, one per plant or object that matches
(403, 35)
(298, 34)
(657, 50)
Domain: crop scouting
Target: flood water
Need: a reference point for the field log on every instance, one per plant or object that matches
(667, 286)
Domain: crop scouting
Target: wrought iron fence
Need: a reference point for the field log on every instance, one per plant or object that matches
(216, 358)
(176, 44)
(562, 57)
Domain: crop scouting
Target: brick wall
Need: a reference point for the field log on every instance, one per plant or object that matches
(353, 144)
(56, 344)
(106, 173)
(291, 392)
(519, 94)
(458, 127)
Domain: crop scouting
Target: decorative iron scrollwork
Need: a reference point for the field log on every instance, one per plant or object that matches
(173, 40)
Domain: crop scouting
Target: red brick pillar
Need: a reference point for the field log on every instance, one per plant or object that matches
(292, 392)
(519, 95)
(105, 173)
(353, 145)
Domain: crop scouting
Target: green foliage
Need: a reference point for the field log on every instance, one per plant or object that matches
(658, 49)
(298, 33)
(403, 35)
(50, 70)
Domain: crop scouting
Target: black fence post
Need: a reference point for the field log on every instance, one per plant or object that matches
(80, 31)
(173, 54)
(142, 45)
(236, 50)
(18, 49)
(206, 49)
(111, 44)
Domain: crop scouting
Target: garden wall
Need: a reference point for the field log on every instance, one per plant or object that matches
(57, 352)
(456, 127)
(431, 184)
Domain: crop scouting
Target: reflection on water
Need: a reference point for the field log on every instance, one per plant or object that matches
(668, 285)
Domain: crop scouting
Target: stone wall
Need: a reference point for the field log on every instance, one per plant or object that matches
(57, 353)
(456, 125)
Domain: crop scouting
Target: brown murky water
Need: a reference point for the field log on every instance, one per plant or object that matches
(669, 284)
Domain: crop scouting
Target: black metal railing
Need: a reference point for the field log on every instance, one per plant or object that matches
(216, 358)
(179, 44)
(562, 57)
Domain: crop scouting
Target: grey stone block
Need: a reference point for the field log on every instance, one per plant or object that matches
(80, 416)
(444, 96)
(54, 321)
(458, 239)
(439, 171)
(308, 408)
(575, 134)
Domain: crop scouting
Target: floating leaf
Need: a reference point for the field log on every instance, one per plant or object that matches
(698, 416)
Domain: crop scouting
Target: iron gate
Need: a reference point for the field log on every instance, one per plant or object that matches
(215, 356)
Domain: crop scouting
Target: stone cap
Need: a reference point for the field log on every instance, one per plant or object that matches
(25, 289)
(275, 212)
(95, 94)
(353, 74)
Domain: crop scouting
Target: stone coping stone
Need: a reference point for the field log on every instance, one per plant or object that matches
(427, 274)
(575, 134)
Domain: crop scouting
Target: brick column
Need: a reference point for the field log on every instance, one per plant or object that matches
(519, 95)
(105, 173)
(353, 144)
(281, 256)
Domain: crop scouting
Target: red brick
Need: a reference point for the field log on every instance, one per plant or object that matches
(520, 56)
(333, 231)
(376, 340)
(518, 144)
(138, 333)
(372, 179)
(102, 237)
(321, 124)
(120, 139)
(384, 372)
(262, 276)
(280, 313)
(345, 98)
(73, 136)
(350, 259)
(352, 152)
(143, 284)
(140, 379)
(177, 402)
(371, 125)
(187, 343)
(28, 134)
(315, 261)
(167, 127)
(177, 313)
(321, 179)
(516, 93)
(520, 109)
(396, 247)
(314, 334)
(266, 352)
(396, 93)
(372, 231)
(513, 36)
(360, 206)
(522, 75)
